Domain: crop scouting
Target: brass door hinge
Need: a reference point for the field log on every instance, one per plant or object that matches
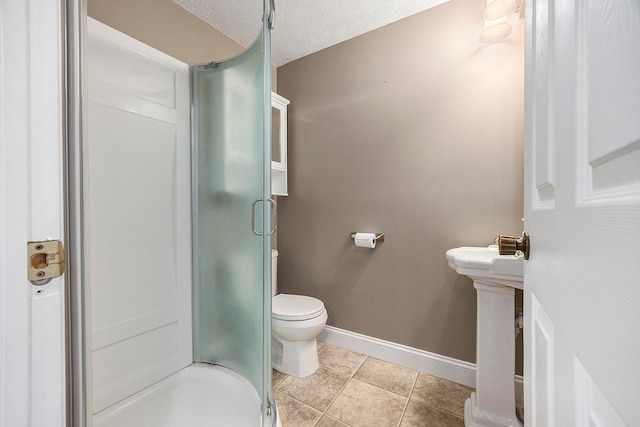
(45, 261)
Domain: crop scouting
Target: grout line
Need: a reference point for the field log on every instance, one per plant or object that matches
(350, 375)
(350, 378)
(279, 382)
(439, 409)
(413, 387)
(381, 389)
(360, 365)
(334, 399)
(302, 403)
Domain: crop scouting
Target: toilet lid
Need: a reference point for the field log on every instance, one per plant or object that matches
(296, 307)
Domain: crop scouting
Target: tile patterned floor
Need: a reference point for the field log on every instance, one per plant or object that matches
(353, 390)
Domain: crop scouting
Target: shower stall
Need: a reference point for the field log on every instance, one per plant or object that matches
(170, 205)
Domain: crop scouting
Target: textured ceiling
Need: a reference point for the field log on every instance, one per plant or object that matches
(303, 26)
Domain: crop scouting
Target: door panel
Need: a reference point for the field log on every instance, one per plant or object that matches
(232, 293)
(610, 128)
(581, 293)
(544, 147)
(541, 350)
(138, 214)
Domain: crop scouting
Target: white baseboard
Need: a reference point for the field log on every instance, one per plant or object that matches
(445, 367)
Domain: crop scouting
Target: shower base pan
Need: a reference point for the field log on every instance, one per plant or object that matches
(198, 395)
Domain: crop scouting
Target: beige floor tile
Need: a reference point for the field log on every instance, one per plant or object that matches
(354, 390)
(363, 405)
(340, 360)
(327, 421)
(441, 394)
(317, 390)
(295, 414)
(420, 415)
(388, 376)
(278, 377)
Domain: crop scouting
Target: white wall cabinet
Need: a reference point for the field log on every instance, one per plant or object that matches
(279, 145)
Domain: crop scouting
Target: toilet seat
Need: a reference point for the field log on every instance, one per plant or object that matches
(296, 307)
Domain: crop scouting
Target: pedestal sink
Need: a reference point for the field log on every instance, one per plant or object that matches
(495, 277)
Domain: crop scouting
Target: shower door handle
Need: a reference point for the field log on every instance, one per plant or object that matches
(274, 217)
(274, 209)
(253, 217)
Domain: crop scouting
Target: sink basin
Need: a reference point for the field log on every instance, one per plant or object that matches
(485, 264)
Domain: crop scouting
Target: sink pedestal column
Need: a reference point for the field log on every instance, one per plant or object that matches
(493, 404)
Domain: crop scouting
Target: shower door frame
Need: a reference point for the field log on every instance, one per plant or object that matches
(79, 384)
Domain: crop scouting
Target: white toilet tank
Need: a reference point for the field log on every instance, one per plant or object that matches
(274, 272)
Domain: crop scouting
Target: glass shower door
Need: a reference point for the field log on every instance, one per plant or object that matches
(232, 214)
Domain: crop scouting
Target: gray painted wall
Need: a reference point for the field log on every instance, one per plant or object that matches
(414, 130)
(167, 27)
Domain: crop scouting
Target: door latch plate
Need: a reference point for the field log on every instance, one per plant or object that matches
(45, 260)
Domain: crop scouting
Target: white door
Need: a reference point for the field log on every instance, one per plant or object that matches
(32, 380)
(582, 210)
(138, 215)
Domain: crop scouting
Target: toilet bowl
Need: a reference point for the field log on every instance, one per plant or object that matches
(295, 323)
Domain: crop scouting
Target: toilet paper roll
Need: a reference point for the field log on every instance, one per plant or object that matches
(365, 240)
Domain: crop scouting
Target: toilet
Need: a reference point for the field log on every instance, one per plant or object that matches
(296, 322)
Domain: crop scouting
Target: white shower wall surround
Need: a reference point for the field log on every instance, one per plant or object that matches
(139, 214)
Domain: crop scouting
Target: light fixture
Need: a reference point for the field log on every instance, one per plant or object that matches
(496, 9)
(496, 27)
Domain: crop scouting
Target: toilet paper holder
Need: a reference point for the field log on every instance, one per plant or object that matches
(379, 236)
